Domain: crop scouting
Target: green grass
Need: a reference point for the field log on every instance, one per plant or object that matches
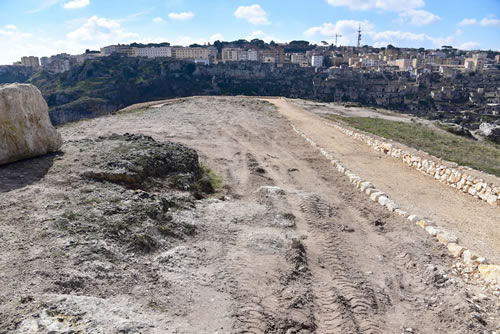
(482, 156)
(213, 179)
(83, 99)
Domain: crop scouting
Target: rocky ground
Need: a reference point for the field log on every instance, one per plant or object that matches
(94, 240)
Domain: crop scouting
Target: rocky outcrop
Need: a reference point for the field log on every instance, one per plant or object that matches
(490, 131)
(136, 161)
(25, 128)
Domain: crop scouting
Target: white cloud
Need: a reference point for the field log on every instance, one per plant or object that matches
(467, 22)
(459, 32)
(45, 4)
(469, 46)
(216, 37)
(348, 29)
(76, 4)
(188, 40)
(10, 27)
(486, 22)
(259, 34)
(391, 35)
(418, 17)
(389, 5)
(253, 14)
(158, 20)
(100, 31)
(20, 44)
(181, 16)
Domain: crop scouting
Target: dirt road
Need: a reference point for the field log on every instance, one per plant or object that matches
(474, 222)
(288, 246)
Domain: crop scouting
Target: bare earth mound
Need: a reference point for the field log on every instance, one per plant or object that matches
(287, 246)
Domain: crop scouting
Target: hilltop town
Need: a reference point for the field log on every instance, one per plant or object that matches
(460, 87)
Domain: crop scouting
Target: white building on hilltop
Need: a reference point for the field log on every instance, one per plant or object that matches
(249, 55)
(317, 60)
(230, 54)
(154, 52)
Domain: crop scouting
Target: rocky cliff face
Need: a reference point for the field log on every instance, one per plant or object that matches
(25, 128)
(11, 74)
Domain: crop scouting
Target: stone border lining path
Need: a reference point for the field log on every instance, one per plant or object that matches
(472, 267)
(456, 177)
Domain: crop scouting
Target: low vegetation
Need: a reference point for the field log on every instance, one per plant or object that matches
(209, 182)
(482, 156)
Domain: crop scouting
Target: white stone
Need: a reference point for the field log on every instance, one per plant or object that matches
(490, 273)
(25, 128)
(414, 218)
(424, 223)
(382, 200)
(375, 195)
(492, 199)
(455, 249)
(445, 238)
(468, 257)
(432, 230)
(364, 185)
(370, 191)
(391, 205)
(402, 213)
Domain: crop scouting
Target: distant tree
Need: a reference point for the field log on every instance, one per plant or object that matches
(325, 43)
(195, 45)
(258, 43)
(390, 46)
(218, 45)
(190, 68)
(301, 43)
(327, 61)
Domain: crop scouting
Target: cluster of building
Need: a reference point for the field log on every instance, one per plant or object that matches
(446, 61)
(414, 67)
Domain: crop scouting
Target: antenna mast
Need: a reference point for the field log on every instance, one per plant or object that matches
(359, 36)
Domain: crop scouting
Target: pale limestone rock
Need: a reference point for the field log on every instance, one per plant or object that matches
(468, 257)
(391, 205)
(490, 273)
(414, 218)
(432, 230)
(382, 200)
(455, 249)
(402, 213)
(424, 223)
(370, 191)
(25, 127)
(364, 185)
(492, 199)
(375, 195)
(445, 238)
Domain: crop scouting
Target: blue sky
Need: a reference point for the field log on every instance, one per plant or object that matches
(46, 27)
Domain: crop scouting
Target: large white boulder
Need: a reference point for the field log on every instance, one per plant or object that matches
(25, 127)
(486, 129)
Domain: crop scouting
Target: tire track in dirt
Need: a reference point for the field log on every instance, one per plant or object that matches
(345, 302)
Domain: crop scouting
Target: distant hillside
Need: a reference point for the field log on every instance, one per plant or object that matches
(107, 84)
(10, 74)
